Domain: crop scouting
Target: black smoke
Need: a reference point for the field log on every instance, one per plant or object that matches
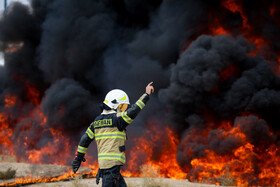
(64, 99)
(197, 74)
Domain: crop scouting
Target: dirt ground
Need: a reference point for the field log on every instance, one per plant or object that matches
(131, 182)
(35, 170)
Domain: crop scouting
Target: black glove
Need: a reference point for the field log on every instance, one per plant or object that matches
(77, 162)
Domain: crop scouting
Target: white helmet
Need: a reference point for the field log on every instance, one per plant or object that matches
(116, 97)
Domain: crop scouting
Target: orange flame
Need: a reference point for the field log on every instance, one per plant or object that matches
(5, 133)
(10, 100)
(218, 31)
(167, 160)
(240, 166)
(13, 46)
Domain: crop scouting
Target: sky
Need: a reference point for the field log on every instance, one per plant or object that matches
(1, 10)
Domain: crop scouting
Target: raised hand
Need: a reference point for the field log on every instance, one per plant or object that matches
(150, 88)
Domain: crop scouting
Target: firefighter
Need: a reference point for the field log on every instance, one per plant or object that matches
(109, 131)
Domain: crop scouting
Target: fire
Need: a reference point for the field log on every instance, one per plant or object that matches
(240, 166)
(57, 147)
(5, 133)
(218, 31)
(13, 46)
(36, 156)
(213, 167)
(68, 175)
(32, 94)
(233, 6)
(30, 180)
(166, 163)
(236, 6)
(10, 100)
(271, 168)
(228, 72)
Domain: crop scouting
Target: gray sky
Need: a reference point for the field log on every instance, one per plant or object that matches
(9, 1)
(1, 9)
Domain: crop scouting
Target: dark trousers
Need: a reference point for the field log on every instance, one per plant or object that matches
(113, 178)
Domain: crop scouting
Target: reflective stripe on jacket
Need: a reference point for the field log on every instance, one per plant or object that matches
(108, 130)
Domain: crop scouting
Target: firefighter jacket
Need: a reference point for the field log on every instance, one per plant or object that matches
(109, 132)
